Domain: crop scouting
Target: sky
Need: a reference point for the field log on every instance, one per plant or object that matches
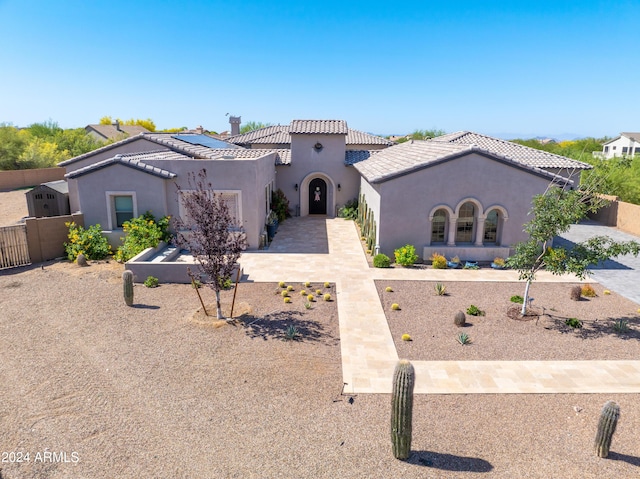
(518, 68)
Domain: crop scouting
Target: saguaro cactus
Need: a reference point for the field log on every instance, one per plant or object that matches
(402, 409)
(127, 283)
(606, 427)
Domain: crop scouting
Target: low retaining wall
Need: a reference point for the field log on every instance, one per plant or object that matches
(144, 265)
(467, 253)
(12, 179)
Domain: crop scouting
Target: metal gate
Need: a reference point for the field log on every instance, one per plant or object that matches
(14, 250)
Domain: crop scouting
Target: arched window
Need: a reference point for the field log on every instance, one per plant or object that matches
(439, 226)
(491, 228)
(466, 223)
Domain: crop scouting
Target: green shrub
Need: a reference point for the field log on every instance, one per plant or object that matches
(621, 326)
(573, 323)
(517, 299)
(474, 311)
(89, 242)
(438, 261)
(350, 210)
(381, 261)
(280, 205)
(151, 282)
(406, 255)
(141, 233)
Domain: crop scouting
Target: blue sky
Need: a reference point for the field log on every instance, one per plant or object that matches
(504, 68)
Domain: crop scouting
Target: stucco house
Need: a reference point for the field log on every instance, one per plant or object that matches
(463, 193)
(627, 144)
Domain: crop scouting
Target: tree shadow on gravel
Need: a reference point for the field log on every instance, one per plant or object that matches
(449, 462)
(274, 326)
(594, 329)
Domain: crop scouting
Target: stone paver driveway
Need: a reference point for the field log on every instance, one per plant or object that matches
(318, 249)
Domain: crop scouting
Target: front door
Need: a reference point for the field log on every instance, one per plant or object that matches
(317, 197)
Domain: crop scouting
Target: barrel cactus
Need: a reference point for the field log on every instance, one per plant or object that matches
(127, 282)
(460, 319)
(606, 427)
(402, 409)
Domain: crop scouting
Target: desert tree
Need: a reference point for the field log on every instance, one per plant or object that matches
(209, 232)
(553, 213)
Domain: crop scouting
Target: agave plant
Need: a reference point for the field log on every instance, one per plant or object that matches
(463, 338)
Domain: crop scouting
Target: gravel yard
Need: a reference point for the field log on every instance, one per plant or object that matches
(154, 391)
(13, 206)
(428, 319)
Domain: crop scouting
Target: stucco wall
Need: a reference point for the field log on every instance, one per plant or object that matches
(372, 198)
(407, 201)
(307, 164)
(46, 236)
(137, 146)
(249, 176)
(93, 187)
(10, 180)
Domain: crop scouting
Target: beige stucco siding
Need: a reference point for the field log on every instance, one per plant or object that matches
(308, 163)
(94, 190)
(138, 145)
(407, 201)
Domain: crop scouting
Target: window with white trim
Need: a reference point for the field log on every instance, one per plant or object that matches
(232, 198)
(466, 223)
(121, 207)
(491, 228)
(439, 226)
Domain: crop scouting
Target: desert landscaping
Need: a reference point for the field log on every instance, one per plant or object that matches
(160, 390)
(154, 391)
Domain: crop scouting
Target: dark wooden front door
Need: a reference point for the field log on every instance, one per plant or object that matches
(317, 197)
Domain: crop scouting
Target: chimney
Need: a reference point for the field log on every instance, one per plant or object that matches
(199, 129)
(235, 125)
(117, 125)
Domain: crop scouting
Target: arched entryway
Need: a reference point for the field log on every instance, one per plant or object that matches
(317, 197)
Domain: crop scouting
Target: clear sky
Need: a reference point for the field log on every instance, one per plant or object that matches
(503, 68)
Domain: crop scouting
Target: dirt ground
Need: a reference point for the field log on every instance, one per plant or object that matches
(13, 206)
(151, 391)
(428, 319)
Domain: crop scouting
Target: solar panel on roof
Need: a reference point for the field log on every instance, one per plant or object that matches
(204, 140)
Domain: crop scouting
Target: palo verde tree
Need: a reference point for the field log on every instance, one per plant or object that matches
(209, 232)
(553, 214)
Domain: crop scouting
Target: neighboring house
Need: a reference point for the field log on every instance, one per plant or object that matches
(627, 144)
(463, 193)
(114, 132)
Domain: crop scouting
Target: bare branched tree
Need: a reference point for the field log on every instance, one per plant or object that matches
(209, 232)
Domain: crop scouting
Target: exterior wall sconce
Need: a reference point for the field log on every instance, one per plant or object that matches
(318, 147)
(339, 187)
(296, 186)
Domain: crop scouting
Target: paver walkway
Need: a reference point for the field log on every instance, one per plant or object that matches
(368, 352)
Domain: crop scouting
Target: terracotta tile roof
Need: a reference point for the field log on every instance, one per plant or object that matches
(416, 155)
(280, 135)
(318, 127)
(523, 154)
(135, 161)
